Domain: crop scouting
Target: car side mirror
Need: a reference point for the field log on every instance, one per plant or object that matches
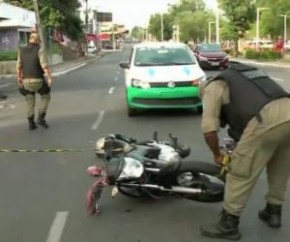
(124, 65)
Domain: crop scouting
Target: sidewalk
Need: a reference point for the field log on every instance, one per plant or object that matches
(8, 82)
(279, 64)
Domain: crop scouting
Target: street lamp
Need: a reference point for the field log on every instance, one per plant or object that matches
(285, 28)
(258, 26)
(209, 30)
(217, 25)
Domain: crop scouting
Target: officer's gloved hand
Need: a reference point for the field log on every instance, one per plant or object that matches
(225, 162)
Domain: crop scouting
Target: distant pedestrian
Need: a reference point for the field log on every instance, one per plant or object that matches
(32, 64)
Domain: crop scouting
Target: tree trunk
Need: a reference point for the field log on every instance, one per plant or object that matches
(236, 47)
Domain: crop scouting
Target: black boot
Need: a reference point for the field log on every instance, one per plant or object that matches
(271, 214)
(41, 120)
(31, 123)
(226, 228)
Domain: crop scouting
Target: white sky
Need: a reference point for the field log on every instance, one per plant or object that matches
(135, 12)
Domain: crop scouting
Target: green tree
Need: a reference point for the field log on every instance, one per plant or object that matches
(240, 13)
(271, 23)
(155, 26)
(59, 14)
(137, 32)
(191, 16)
(193, 26)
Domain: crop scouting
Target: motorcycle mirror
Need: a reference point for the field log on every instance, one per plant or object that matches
(174, 140)
(155, 136)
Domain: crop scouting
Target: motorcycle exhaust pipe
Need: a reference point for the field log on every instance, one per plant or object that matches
(173, 188)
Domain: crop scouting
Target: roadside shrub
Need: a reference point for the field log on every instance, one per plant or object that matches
(263, 54)
(54, 48)
(8, 55)
(251, 54)
(228, 51)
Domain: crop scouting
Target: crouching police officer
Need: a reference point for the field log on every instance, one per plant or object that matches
(256, 110)
(32, 64)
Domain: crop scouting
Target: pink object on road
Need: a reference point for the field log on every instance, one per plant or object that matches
(94, 171)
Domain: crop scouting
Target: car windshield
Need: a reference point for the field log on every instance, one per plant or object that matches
(163, 56)
(210, 48)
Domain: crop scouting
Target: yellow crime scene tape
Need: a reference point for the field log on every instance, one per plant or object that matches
(43, 150)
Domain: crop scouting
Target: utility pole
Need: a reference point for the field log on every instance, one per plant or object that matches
(285, 28)
(38, 23)
(162, 27)
(86, 26)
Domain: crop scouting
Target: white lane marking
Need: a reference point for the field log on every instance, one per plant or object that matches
(277, 79)
(57, 227)
(68, 70)
(116, 79)
(98, 121)
(111, 90)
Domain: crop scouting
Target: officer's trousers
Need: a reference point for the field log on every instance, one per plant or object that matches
(33, 87)
(270, 150)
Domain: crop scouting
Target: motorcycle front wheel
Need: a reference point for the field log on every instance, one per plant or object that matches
(204, 176)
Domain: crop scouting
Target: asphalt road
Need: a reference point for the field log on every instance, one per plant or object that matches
(42, 194)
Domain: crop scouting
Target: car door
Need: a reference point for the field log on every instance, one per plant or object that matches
(128, 70)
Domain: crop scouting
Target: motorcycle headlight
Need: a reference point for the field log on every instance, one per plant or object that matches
(141, 84)
(131, 169)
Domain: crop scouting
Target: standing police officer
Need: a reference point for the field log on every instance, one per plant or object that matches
(32, 64)
(256, 109)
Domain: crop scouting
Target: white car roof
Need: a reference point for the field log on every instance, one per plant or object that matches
(159, 44)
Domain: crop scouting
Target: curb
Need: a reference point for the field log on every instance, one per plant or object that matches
(59, 73)
(281, 65)
(3, 93)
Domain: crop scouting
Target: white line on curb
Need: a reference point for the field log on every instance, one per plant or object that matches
(111, 90)
(99, 120)
(277, 79)
(57, 227)
(262, 64)
(68, 70)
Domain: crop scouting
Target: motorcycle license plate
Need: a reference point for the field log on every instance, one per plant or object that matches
(114, 191)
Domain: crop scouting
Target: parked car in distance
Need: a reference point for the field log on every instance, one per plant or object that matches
(162, 75)
(92, 49)
(211, 55)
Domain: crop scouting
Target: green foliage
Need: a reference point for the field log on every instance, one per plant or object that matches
(191, 16)
(59, 14)
(271, 23)
(265, 54)
(137, 32)
(55, 48)
(155, 26)
(240, 13)
(8, 55)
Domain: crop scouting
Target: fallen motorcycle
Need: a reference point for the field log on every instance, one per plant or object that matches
(154, 169)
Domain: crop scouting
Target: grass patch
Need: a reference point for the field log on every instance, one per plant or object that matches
(8, 55)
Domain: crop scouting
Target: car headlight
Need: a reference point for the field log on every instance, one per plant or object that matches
(202, 58)
(141, 84)
(132, 168)
(198, 81)
(226, 57)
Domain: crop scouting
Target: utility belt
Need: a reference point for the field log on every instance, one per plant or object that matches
(45, 89)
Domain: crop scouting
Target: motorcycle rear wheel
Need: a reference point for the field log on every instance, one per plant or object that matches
(204, 176)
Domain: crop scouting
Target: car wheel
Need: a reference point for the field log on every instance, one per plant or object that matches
(132, 111)
(199, 110)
